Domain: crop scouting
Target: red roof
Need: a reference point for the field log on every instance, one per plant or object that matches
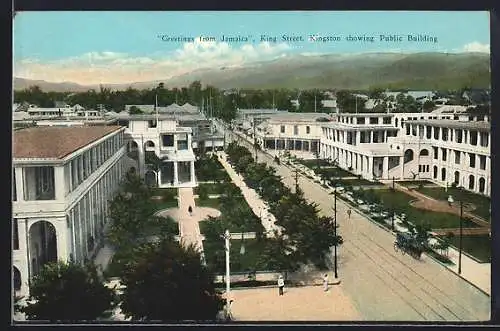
(56, 142)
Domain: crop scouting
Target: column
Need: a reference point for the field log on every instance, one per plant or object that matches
(385, 167)
(19, 184)
(371, 137)
(62, 242)
(401, 164)
(193, 177)
(80, 168)
(358, 137)
(142, 161)
(176, 175)
(23, 258)
(59, 183)
(370, 167)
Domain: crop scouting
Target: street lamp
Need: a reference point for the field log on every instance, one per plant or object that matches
(335, 230)
(450, 201)
(227, 237)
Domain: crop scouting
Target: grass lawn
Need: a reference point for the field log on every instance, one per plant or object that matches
(414, 182)
(313, 163)
(212, 203)
(481, 202)
(245, 262)
(156, 191)
(334, 172)
(478, 246)
(400, 202)
(160, 204)
(358, 182)
(214, 188)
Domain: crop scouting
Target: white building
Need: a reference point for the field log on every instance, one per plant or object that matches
(62, 180)
(412, 146)
(160, 138)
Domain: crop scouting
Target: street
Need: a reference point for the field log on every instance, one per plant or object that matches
(385, 285)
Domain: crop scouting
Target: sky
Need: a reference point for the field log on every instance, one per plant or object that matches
(124, 47)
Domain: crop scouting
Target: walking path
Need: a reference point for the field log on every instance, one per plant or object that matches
(310, 303)
(258, 206)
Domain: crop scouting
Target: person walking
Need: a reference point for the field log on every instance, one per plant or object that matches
(325, 282)
(281, 284)
(190, 211)
(349, 211)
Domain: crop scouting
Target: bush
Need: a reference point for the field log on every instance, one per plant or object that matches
(168, 195)
(203, 192)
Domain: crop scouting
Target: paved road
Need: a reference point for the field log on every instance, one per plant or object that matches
(385, 285)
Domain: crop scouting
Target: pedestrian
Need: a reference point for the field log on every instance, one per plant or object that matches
(281, 284)
(190, 210)
(349, 211)
(325, 282)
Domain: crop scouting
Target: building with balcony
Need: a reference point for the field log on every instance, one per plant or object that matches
(160, 150)
(62, 180)
(444, 148)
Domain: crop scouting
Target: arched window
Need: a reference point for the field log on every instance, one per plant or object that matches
(482, 185)
(424, 152)
(408, 156)
(471, 182)
(435, 171)
(443, 174)
(17, 279)
(457, 177)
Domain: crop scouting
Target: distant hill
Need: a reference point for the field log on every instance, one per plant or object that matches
(420, 71)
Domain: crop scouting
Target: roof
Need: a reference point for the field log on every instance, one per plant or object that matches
(296, 117)
(56, 142)
(456, 124)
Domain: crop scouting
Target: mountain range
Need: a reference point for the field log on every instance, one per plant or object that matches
(417, 71)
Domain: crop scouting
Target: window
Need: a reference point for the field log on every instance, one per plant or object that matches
(414, 130)
(407, 129)
(445, 134)
(386, 120)
(435, 171)
(472, 160)
(443, 151)
(471, 182)
(360, 120)
(428, 132)
(308, 129)
(168, 140)
(484, 139)
(282, 129)
(482, 162)
(15, 234)
(443, 174)
(458, 136)
(424, 152)
(427, 168)
(457, 178)
(295, 129)
(152, 124)
(436, 133)
(457, 157)
(473, 138)
(373, 120)
(435, 152)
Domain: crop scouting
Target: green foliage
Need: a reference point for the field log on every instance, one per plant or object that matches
(68, 293)
(135, 111)
(166, 282)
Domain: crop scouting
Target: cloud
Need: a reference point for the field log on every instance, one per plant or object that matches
(113, 67)
(477, 47)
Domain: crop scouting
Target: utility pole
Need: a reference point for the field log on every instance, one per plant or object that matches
(227, 236)
(460, 241)
(335, 231)
(296, 180)
(254, 139)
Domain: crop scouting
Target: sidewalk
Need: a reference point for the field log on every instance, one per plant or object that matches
(189, 227)
(257, 205)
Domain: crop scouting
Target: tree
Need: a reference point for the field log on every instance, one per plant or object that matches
(428, 105)
(167, 282)
(135, 111)
(68, 293)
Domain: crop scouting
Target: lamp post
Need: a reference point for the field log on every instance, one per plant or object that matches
(450, 201)
(335, 231)
(227, 237)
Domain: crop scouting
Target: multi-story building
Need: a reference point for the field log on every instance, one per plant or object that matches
(444, 148)
(62, 180)
(160, 149)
